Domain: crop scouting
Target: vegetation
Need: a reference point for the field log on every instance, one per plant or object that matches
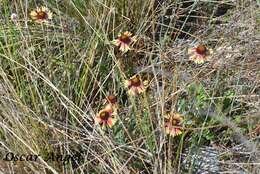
(121, 86)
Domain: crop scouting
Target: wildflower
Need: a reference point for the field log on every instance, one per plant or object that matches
(14, 17)
(200, 54)
(112, 99)
(172, 124)
(106, 116)
(41, 15)
(135, 85)
(123, 41)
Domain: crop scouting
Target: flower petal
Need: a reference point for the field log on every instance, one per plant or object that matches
(110, 122)
(124, 47)
(98, 120)
(190, 50)
(116, 42)
(108, 108)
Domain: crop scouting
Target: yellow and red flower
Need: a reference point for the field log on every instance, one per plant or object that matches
(172, 124)
(41, 15)
(200, 54)
(123, 41)
(106, 116)
(135, 85)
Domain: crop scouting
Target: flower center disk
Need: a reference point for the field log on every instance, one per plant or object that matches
(201, 49)
(104, 115)
(42, 15)
(112, 99)
(125, 39)
(175, 122)
(135, 82)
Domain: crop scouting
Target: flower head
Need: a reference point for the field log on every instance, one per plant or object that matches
(123, 41)
(14, 17)
(200, 54)
(112, 99)
(106, 116)
(135, 85)
(41, 15)
(172, 124)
